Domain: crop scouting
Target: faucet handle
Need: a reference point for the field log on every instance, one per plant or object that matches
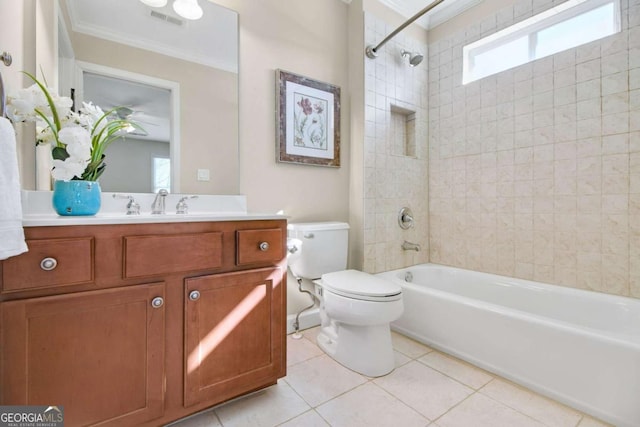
(405, 218)
(133, 207)
(182, 207)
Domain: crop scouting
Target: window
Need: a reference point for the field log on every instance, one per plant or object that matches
(563, 27)
(161, 173)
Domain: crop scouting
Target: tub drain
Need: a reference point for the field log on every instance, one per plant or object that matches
(408, 277)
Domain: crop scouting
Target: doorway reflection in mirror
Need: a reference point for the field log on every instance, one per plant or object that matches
(161, 173)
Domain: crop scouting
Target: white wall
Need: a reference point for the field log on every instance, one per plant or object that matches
(305, 37)
(291, 35)
(134, 157)
(25, 28)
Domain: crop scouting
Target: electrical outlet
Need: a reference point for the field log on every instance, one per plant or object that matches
(203, 174)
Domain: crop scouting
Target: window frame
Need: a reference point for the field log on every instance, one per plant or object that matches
(154, 171)
(530, 28)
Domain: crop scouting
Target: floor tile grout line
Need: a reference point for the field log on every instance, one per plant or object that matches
(417, 359)
(494, 377)
(372, 380)
(454, 406)
(488, 397)
(429, 421)
(580, 420)
(323, 418)
(480, 390)
(514, 409)
(368, 380)
(301, 414)
(311, 408)
(457, 380)
(407, 404)
(215, 413)
(334, 397)
(548, 399)
(305, 360)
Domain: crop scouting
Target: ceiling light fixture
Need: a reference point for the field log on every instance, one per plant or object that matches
(155, 3)
(188, 9)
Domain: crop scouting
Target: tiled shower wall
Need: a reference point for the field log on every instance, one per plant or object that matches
(535, 172)
(395, 173)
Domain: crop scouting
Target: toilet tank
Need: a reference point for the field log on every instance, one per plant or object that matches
(324, 248)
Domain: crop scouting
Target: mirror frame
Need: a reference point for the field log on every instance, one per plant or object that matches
(173, 87)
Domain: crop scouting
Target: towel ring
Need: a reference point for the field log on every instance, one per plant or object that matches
(6, 58)
(3, 105)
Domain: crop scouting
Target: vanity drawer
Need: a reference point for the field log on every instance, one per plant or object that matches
(160, 254)
(259, 246)
(50, 262)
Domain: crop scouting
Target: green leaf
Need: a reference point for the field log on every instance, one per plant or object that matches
(52, 105)
(59, 153)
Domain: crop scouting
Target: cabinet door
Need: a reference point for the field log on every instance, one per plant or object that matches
(234, 334)
(100, 354)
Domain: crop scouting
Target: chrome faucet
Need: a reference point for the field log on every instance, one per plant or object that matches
(133, 207)
(182, 207)
(158, 205)
(408, 246)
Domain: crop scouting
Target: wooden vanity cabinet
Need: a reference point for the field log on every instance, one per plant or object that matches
(145, 323)
(232, 333)
(100, 354)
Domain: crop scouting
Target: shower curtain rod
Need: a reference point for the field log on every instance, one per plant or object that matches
(372, 52)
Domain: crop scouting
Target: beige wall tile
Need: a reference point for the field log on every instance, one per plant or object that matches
(558, 179)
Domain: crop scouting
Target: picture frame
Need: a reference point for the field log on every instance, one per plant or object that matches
(308, 121)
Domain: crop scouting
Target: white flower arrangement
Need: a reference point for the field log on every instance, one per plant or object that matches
(78, 140)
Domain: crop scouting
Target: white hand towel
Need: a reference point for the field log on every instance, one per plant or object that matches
(11, 233)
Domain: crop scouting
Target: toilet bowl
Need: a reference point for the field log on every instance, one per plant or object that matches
(355, 307)
(355, 310)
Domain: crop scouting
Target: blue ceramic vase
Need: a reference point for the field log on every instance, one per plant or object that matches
(76, 197)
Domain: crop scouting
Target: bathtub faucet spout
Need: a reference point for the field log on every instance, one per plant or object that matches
(408, 246)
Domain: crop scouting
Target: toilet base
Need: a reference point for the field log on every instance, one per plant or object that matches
(365, 349)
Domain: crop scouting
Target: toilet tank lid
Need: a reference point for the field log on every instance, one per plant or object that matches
(356, 282)
(316, 226)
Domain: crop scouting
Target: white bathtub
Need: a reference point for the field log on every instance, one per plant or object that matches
(578, 347)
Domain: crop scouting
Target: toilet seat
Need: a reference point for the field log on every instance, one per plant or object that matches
(361, 286)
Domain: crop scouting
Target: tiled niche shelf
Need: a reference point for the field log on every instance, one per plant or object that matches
(402, 131)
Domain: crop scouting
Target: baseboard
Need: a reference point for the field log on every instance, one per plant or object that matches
(308, 319)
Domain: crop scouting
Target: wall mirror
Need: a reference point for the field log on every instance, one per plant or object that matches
(178, 78)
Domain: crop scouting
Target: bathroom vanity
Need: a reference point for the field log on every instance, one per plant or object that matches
(142, 323)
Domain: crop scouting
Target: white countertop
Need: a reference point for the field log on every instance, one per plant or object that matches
(38, 211)
(100, 219)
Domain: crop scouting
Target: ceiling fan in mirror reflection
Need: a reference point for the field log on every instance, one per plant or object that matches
(147, 105)
(188, 9)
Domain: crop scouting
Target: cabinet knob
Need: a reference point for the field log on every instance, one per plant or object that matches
(194, 295)
(264, 246)
(157, 302)
(48, 264)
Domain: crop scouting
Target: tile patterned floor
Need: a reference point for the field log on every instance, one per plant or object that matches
(427, 388)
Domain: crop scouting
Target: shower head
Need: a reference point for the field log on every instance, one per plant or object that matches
(414, 57)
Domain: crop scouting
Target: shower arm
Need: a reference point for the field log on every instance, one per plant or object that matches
(372, 52)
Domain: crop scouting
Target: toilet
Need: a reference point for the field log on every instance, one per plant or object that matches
(355, 307)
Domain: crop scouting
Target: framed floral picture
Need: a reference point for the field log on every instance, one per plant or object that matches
(308, 114)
